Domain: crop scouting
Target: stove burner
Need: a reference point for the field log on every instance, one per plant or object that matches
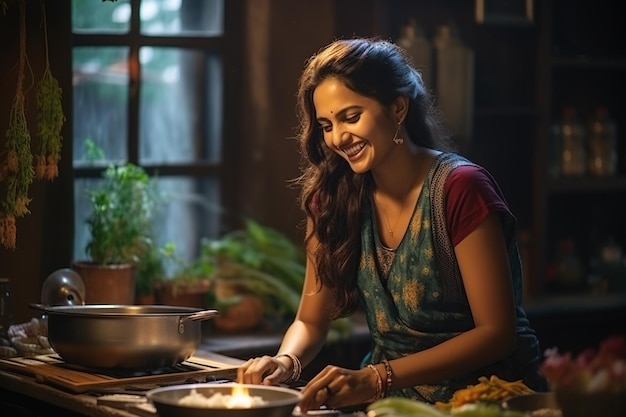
(52, 370)
(133, 373)
(141, 389)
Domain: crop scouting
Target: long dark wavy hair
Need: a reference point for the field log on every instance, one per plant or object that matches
(332, 195)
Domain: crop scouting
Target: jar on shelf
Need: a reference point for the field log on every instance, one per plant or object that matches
(602, 144)
(572, 140)
(566, 272)
(608, 267)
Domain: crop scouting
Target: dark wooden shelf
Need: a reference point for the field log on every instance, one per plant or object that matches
(506, 110)
(589, 62)
(586, 185)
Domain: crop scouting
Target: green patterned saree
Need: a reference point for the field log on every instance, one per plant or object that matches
(412, 304)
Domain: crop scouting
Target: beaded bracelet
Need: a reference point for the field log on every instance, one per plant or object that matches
(389, 373)
(379, 383)
(297, 366)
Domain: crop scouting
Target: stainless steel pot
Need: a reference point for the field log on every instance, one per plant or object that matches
(124, 336)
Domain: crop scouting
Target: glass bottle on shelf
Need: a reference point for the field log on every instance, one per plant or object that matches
(602, 143)
(420, 50)
(454, 81)
(572, 138)
(570, 269)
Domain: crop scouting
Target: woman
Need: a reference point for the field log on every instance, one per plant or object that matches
(398, 225)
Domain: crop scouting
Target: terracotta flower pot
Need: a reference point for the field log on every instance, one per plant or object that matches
(107, 284)
(247, 314)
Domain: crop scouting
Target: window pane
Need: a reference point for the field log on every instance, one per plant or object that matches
(180, 121)
(177, 17)
(191, 212)
(100, 101)
(100, 16)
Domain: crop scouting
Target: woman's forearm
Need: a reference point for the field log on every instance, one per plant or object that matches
(464, 353)
(303, 340)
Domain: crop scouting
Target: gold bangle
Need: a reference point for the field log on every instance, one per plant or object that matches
(379, 383)
(296, 364)
(389, 373)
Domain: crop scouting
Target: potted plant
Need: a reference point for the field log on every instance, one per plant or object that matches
(149, 271)
(258, 274)
(121, 241)
(190, 282)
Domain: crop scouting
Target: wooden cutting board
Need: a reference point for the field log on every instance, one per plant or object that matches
(52, 370)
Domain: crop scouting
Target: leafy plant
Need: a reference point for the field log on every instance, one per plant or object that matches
(185, 273)
(121, 220)
(121, 227)
(261, 261)
(149, 270)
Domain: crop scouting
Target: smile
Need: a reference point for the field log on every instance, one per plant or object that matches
(354, 149)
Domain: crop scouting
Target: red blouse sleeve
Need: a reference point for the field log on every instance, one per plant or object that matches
(471, 195)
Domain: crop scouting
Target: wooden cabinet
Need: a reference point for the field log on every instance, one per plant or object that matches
(581, 63)
(526, 71)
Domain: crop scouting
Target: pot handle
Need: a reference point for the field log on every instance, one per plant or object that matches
(201, 315)
(41, 307)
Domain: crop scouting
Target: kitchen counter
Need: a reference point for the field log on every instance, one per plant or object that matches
(23, 395)
(26, 395)
(559, 322)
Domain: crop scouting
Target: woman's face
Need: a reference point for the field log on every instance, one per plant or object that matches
(356, 127)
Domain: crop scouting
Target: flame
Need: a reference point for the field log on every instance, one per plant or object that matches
(239, 398)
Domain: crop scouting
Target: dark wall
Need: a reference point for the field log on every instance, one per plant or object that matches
(281, 35)
(44, 237)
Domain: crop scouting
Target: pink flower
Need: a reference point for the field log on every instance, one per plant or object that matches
(590, 370)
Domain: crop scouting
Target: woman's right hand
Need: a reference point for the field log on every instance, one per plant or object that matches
(265, 370)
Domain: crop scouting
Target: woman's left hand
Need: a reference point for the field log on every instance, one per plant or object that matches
(336, 387)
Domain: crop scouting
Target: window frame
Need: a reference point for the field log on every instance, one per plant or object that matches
(228, 46)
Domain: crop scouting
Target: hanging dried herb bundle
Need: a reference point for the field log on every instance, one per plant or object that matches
(50, 119)
(16, 170)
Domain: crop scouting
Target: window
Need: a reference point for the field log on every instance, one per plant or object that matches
(148, 88)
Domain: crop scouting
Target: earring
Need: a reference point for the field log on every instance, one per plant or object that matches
(396, 139)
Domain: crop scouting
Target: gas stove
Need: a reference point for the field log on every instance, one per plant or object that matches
(52, 370)
(126, 389)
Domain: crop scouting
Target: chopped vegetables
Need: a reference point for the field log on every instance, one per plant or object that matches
(402, 407)
(491, 389)
(405, 407)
